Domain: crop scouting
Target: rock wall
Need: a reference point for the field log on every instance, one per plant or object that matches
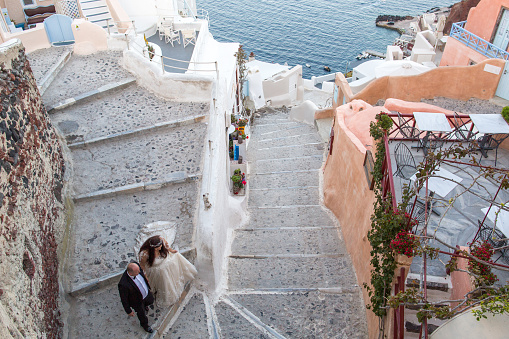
(459, 12)
(32, 216)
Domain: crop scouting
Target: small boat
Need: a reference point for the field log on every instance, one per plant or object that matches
(363, 55)
(326, 68)
(308, 65)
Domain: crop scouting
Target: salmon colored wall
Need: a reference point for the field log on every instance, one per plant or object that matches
(456, 82)
(458, 54)
(461, 282)
(346, 191)
(482, 20)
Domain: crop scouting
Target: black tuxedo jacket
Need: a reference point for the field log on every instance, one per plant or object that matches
(130, 295)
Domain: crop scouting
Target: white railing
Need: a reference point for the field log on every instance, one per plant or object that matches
(124, 27)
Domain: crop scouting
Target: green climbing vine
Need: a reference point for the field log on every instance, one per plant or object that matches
(386, 224)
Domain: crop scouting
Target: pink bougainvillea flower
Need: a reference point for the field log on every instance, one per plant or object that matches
(244, 182)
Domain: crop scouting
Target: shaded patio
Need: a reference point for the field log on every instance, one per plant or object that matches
(176, 57)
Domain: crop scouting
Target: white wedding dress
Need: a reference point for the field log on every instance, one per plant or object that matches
(167, 277)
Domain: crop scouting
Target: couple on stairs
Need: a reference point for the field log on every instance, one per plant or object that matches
(166, 270)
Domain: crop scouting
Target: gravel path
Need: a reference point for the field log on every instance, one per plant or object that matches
(471, 106)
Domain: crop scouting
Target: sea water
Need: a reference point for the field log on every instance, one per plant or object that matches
(318, 33)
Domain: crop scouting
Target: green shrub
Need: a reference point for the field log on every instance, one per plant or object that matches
(505, 113)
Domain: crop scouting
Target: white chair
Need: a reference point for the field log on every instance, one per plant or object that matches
(163, 22)
(171, 35)
(189, 37)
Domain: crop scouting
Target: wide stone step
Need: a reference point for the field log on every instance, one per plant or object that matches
(284, 132)
(141, 158)
(261, 127)
(294, 140)
(192, 321)
(278, 180)
(293, 272)
(120, 111)
(105, 229)
(292, 216)
(284, 197)
(287, 241)
(100, 314)
(43, 60)
(310, 314)
(286, 151)
(84, 73)
(287, 164)
(234, 325)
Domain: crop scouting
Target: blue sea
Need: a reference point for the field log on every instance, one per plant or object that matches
(319, 33)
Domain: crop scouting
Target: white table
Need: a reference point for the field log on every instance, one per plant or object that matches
(441, 186)
(490, 123)
(502, 219)
(431, 122)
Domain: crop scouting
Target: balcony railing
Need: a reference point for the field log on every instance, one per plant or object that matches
(478, 44)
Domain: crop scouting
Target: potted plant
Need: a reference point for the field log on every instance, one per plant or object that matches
(505, 113)
(150, 48)
(238, 179)
(242, 122)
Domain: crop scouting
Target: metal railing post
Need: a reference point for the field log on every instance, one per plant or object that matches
(162, 62)
(217, 70)
(108, 25)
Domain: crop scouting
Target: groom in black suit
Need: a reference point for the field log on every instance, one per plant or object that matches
(135, 294)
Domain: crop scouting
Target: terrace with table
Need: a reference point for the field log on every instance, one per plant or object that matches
(452, 202)
(462, 205)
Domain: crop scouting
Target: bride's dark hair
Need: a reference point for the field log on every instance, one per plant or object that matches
(150, 245)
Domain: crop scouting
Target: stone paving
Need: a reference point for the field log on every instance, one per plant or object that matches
(104, 226)
(142, 158)
(84, 73)
(119, 112)
(289, 274)
(193, 320)
(42, 60)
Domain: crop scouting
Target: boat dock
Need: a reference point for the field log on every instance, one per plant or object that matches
(376, 54)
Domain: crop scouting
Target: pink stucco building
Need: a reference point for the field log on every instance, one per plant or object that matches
(485, 35)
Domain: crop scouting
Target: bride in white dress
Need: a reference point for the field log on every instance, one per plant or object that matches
(166, 269)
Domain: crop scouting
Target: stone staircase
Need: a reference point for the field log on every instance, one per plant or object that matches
(132, 163)
(97, 11)
(289, 274)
